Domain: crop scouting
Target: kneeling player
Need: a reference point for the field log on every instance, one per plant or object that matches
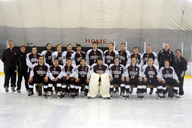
(133, 77)
(69, 77)
(151, 76)
(39, 74)
(169, 77)
(82, 77)
(99, 73)
(55, 77)
(117, 76)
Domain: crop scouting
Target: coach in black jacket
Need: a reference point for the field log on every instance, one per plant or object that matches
(21, 67)
(8, 59)
(165, 54)
(180, 66)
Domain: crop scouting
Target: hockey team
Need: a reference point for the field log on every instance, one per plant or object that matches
(97, 72)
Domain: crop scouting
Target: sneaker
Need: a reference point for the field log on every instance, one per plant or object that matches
(6, 89)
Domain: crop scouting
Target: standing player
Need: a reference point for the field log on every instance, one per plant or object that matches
(99, 73)
(136, 54)
(149, 54)
(93, 54)
(47, 54)
(69, 77)
(133, 76)
(124, 55)
(117, 76)
(124, 58)
(77, 56)
(57, 54)
(82, 76)
(55, 77)
(110, 54)
(151, 76)
(169, 77)
(31, 59)
(39, 74)
(67, 54)
(144, 59)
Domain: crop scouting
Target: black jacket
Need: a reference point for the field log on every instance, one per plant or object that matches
(8, 57)
(179, 65)
(20, 61)
(163, 55)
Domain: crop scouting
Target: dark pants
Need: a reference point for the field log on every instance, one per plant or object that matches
(9, 73)
(181, 79)
(22, 73)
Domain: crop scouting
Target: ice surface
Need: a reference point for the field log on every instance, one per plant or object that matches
(21, 111)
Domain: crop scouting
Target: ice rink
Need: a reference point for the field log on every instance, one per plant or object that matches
(21, 111)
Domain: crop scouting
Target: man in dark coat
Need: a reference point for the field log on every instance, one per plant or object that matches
(20, 66)
(8, 59)
(180, 66)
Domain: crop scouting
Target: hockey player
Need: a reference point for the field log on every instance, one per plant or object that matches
(169, 77)
(77, 56)
(47, 54)
(110, 54)
(144, 59)
(133, 76)
(124, 55)
(82, 76)
(93, 54)
(39, 74)
(151, 76)
(99, 73)
(67, 54)
(58, 54)
(69, 77)
(31, 59)
(137, 55)
(55, 77)
(149, 54)
(116, 74)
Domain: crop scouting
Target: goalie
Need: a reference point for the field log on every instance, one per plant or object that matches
(99, 82)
